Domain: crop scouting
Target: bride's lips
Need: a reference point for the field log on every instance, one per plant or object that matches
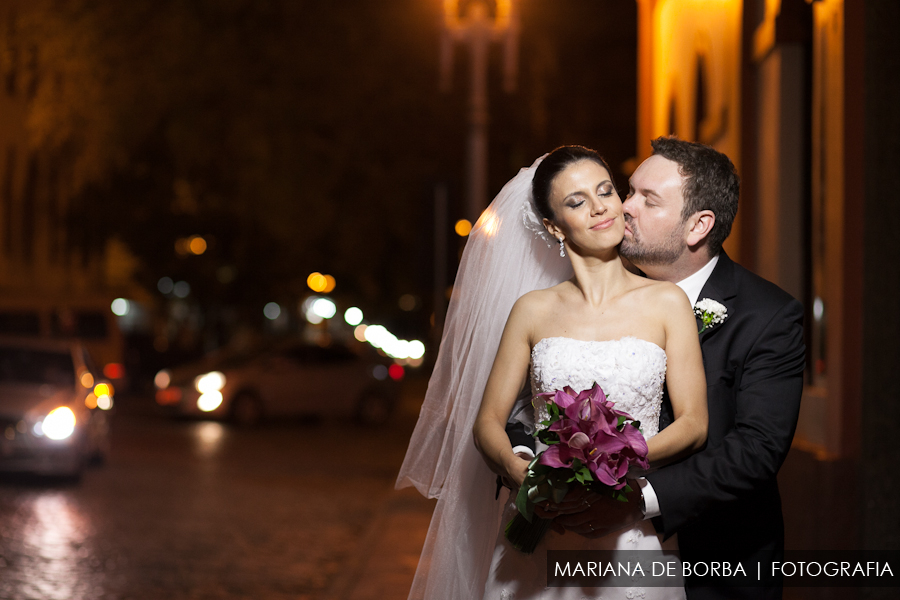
(605, 224)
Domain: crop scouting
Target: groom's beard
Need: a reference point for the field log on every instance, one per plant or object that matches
(642, 254)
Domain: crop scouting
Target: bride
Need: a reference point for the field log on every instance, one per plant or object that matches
(601, 324)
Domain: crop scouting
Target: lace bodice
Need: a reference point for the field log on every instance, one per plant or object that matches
(630, 371)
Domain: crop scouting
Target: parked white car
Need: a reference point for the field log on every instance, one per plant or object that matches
(54, 408)
(291, 379)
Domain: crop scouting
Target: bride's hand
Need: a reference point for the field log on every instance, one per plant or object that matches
(517, 469)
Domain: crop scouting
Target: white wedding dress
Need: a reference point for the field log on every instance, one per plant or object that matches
(631, 373)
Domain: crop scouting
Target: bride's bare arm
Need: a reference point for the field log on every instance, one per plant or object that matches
(507, 377)
(685, 380)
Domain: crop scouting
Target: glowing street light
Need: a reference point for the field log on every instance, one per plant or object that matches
(477, 29)
(316, 282)
(197, 245)
(322, 284)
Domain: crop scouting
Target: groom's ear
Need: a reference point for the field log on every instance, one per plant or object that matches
(700, 225)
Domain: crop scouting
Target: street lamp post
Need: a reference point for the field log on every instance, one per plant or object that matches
(478, 29)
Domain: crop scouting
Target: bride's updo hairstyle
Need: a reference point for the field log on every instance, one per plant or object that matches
(554, 164)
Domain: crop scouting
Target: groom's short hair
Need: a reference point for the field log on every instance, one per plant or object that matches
(710, 183)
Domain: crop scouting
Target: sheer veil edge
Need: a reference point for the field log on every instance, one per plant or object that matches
(507, 255)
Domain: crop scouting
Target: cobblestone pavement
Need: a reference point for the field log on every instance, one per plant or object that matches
(195, 510)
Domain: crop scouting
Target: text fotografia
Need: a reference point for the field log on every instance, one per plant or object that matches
(667, 569)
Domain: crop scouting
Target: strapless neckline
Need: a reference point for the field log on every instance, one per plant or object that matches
(631, 372)
(625, 338)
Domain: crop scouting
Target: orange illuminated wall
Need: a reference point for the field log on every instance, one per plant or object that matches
(768, 82)
(689, 77)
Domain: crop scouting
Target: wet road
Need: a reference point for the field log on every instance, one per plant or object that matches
(201, 510)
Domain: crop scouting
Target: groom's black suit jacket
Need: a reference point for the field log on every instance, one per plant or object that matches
(723, 501)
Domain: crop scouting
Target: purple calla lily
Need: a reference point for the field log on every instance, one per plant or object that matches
(589, 431)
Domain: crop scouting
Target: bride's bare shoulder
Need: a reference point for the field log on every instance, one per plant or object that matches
(661, 294)
(545, 297)
(540, 301)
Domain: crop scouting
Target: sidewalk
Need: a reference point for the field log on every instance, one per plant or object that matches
(383, 566)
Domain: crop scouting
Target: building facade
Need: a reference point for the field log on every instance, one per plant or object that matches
(802, 95)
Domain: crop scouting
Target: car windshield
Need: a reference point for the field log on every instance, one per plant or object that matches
(25, 365)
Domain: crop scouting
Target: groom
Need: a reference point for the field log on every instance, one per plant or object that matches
(723, 501)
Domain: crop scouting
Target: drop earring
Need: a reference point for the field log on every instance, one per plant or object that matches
(562, 248)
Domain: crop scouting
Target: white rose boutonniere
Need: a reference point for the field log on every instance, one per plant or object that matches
(711, 313)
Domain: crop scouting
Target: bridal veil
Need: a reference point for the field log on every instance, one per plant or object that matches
(507, 255)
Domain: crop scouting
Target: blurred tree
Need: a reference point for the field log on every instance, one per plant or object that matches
(305, 128)
(300, 135)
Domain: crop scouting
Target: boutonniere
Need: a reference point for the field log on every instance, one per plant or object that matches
(711, 313)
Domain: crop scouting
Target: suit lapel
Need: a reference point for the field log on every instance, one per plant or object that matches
(722, 288)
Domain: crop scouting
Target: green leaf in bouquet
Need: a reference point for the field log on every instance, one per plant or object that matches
(620, 495)
(525, 507)
(548, 437)
(559, 492)
(538, 492)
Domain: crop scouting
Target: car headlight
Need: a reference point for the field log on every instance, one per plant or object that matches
(209, 401)
(213, 381)
(59, 424)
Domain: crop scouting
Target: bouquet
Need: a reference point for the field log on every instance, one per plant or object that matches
(590, 444)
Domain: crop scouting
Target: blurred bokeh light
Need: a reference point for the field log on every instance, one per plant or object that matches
(463, 227)
(197, 245)
(353, 316)
(272, 311)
